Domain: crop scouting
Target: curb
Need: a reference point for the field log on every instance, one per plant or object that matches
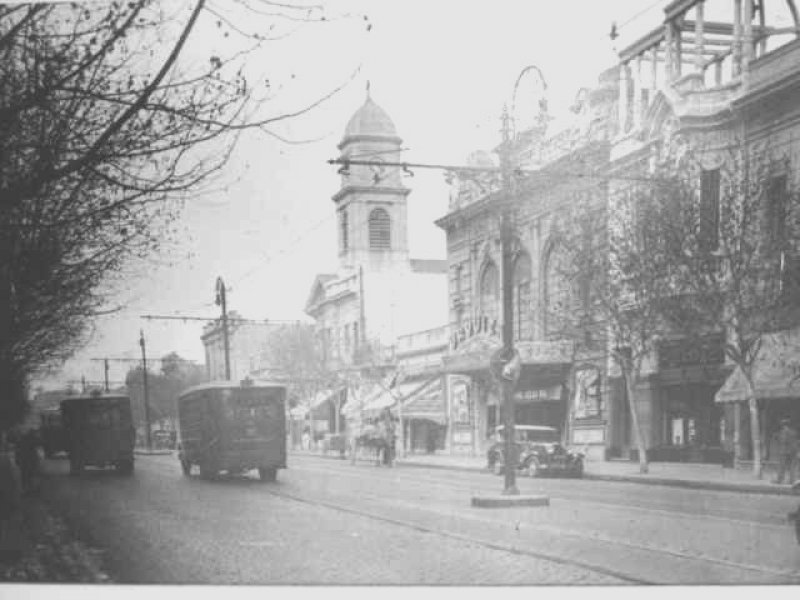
(717, 486)
(746, 488)
(145, 452)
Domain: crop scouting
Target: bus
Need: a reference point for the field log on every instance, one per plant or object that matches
(224, 426)
(52, 432)
(100, 432)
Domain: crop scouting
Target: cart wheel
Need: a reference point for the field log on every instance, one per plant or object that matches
(532, 468)
(268, 474)
(186, 467)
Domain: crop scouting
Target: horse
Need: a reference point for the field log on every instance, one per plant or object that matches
(372, 438)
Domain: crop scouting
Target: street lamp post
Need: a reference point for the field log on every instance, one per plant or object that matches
(506, 269)
(222, 302)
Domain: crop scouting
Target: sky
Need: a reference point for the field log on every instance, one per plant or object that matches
(442, 70)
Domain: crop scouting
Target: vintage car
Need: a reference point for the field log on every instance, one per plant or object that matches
(539, 452)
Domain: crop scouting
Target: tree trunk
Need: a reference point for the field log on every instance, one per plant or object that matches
(755, 426)
(637, 430)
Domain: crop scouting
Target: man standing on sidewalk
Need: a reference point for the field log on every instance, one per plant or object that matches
(10, 504)
(786, 447)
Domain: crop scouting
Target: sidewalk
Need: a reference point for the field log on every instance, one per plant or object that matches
(686, 475)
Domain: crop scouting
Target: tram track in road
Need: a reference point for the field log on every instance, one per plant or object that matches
(678, 555)
(507, 548)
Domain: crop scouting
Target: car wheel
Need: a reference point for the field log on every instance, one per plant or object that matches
(75, 466)
(533, 468)
(186, 467)
(268, 474)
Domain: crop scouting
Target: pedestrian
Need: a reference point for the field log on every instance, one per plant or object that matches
(785, 441)
(10, 505)
(26, 455)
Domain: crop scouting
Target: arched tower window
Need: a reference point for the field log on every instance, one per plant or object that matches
(489, 291)
(380, 237)
(557, 291)
(522, 297)
(343, 230)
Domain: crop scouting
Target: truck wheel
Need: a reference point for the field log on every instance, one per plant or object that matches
(186, 467)
(269, 474)
(75, 466)
(206, 472)
(125, 467)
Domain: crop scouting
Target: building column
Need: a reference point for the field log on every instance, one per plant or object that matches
(736, 42)
(638, 108)
(669, 51)
(654, 73)
(699, 38)
(623, 98)
(747, 39)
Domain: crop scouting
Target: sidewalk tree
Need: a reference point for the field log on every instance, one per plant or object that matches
(293, 352)
(176, 374)
(616, 278)
(111, 115)
(732, 236)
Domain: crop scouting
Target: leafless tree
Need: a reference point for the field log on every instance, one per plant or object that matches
(104, 132)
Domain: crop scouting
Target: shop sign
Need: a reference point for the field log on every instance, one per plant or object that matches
(588, 436)
(673, 354)
(459, 398)
(481, 325)
(545, 352)
(587, 398)
(462, 437)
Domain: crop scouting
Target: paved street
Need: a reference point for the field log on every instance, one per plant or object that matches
(327, 521)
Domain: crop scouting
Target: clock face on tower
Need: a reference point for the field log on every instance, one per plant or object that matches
(378, 171)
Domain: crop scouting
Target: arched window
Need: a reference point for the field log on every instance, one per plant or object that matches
(343, 229)
(380, 237)
(489, 292)
(556, 291)
(522, 297)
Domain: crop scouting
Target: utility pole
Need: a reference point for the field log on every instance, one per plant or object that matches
(222, 302)
(105, 367)
(146, 398)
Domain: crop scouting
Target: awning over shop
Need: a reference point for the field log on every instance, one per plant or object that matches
(358, 397)
(318, 408)
(298, 412)
(776, 371)
(426, 402)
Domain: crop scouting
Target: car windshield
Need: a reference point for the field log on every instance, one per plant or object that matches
(545, 435)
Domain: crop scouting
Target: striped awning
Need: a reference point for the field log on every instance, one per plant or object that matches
(426, 402)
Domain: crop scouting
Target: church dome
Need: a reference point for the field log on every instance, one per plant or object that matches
(371, 120)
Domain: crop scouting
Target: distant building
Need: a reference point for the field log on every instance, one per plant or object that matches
(247, 340)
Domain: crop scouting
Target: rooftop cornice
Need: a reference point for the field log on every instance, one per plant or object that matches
(368, 189)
